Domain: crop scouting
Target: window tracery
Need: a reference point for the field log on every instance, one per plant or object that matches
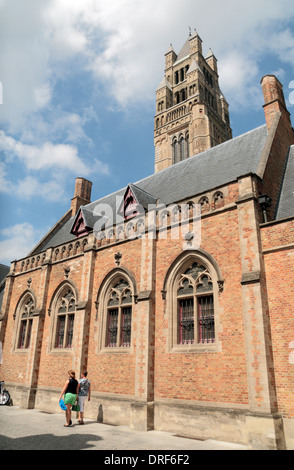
(119, 315)
(115, 305)
(26, 323)
(195, 306)
(191, 291)
(180, 147)
(65, 317)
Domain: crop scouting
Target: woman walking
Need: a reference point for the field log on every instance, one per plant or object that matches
(83, 392)
(70, 392)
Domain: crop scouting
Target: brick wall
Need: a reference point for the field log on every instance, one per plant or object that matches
(192, 376)
(278, 246)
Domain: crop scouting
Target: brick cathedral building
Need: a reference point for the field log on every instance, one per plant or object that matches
(184, 321)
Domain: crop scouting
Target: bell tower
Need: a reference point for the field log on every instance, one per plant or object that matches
(192, 114)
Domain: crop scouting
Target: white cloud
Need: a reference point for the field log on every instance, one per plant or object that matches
(30, 187)
(49, 156)
(46, 156)
(24, 59)
(282, 44)
(54, 162)
(42, 95)
(239, 79)
(137, 34)
(120, 44)
(123, 42)
(5, 186)
(18, 241)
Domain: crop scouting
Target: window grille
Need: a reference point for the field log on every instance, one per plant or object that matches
(186, 321)
(112, 327)
(60, 331)
(206, 319)
(65, 320)
(195, 306)
(119, 315)
(26, 324)
(126, 326)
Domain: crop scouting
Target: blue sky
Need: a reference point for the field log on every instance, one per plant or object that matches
(78, 81)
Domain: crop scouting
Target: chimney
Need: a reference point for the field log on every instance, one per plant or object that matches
(274, 101)
(82, 195)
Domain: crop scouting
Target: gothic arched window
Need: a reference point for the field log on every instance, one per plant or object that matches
(187, 145)
(26, 323)
(218, 200)
(182, 148)
(176, 157)
(192, 288)
(119, 315)
(204, 202)
(116, 303)
(195, 322)
(65, 316)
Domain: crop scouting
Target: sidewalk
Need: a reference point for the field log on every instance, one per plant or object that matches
(35, 430)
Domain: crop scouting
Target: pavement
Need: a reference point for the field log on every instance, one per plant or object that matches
(36, 430)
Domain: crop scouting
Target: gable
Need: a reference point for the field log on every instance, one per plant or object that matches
(79, 228)
(129, 207)
(135, 201)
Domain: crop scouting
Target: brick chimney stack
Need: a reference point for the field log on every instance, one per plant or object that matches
(82, 195)
(274, 100)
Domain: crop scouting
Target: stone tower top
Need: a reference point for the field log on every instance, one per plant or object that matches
(192, 114)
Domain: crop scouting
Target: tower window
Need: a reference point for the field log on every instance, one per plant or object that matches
(208, 77)
(180, 148)
(175, 151)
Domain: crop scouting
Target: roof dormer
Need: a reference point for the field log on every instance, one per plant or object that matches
(135, 202)
(84, 222)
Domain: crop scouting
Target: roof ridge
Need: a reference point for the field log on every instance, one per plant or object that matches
(183, 162)
(140, 189)
(211, 149)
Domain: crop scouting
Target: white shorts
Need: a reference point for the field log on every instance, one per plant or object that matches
(81, 403)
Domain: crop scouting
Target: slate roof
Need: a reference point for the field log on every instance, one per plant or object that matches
(286, 202)
(1, 295)
(208, 170)
(89, 217)
(184, 52)
(4, 270)
(143, 198)
(63, 235)
(164, 83)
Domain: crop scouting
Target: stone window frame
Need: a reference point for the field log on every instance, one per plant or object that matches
(23, 301)
(57, 297)
(170, 296)
(180, 147)
(102, 309)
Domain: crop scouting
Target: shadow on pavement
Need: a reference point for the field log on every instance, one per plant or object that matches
(49, 442)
